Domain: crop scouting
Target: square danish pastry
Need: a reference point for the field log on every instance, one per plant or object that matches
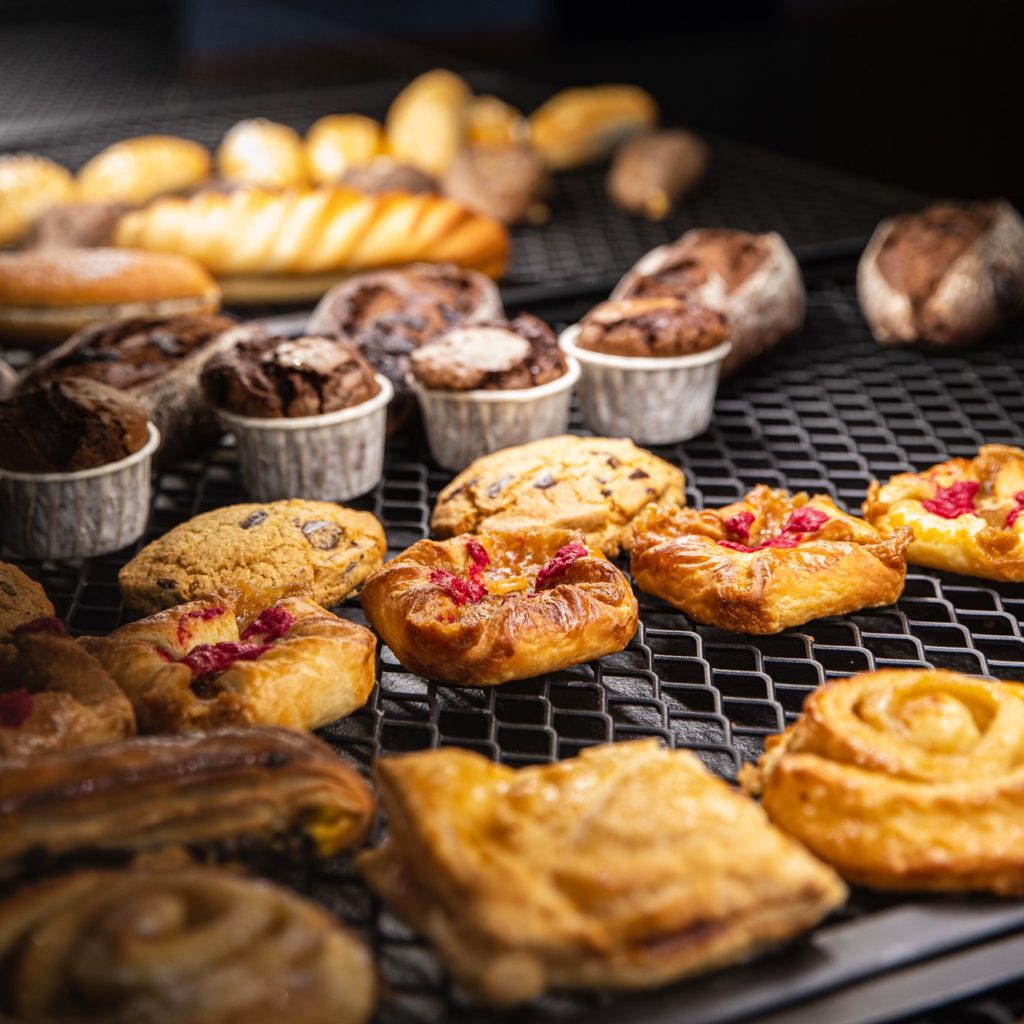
(626, 867)
(767, 562)
(966, 515)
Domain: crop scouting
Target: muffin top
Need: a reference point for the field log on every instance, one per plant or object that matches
(660, 326)
(69, 425)
(493, 356)
(271, 378)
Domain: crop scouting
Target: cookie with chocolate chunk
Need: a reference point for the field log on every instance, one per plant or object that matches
(254, 555)
(597, 485)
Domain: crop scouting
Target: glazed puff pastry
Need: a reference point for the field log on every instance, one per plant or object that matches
(194, 667)
(29, 186)
(486, 609)
(906, 779)
(137, 170)
(966, 515)
(626, 867)
(767, 562)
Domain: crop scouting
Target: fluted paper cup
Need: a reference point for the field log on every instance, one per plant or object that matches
(331, 457)
(78, 514)
(651, 400)
(463, 425)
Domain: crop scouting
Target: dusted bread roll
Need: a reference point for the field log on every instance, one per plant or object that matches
(428, 121)
(29, 186)
(947, 276)
(185, 946)
(508, 183)
(267, 245)
(262, 152)
(339, 142)
(137, 170)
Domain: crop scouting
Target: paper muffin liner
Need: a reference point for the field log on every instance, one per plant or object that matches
(651, 400)
(331, 457)
(463, 425)
(79, 514)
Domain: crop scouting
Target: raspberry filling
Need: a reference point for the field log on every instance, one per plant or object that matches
(1015, 513)
(739, 524)
(953, 501)
(15, 707)
(50, 625)
(478, 560)
(199, 614)
(211, 659)
(557, 566)
(801, 522)
(459, 590)
(271, 625)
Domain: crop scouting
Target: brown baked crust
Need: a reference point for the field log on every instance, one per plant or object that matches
(905, 779)
(651, 172)
(508, 183)
(483, 610)
(309, 669)
(153, 793)
(982, 537)
(826, 563)
(658, 326)
(21, 600)
(175, 940)
(626, 867)
(139, 169)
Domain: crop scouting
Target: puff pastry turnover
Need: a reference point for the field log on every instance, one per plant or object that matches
(486, 609)
(767, 562)
(626, 867)
(195, 667)
(966, 515)
(905, 780)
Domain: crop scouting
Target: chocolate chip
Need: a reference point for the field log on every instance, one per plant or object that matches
(544, 481)
(322, 534)
(167, 584)
(84, 356)
(259, 516)
(605, 492)
(499, 485)
(8, 589)
(638, 474)
(613, 462)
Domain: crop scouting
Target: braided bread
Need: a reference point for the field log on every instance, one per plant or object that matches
(905, 780)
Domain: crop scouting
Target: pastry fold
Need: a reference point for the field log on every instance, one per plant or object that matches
(626, 867)
(909, 779)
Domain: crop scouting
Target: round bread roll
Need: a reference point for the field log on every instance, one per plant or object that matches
(339, 142)
(137, 170)
(29, 186)
(262, 152)
(428, 121)
(48, 294)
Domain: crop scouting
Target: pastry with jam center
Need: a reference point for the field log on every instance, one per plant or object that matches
(767, 562)
(481, 610)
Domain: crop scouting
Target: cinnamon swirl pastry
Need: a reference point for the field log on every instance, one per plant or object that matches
(767, 562)
(188, 946)
(907, 780)
(151, 793)
(966, 515)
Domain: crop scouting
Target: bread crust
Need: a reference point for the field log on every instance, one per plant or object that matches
(690, 559)
(137, 170)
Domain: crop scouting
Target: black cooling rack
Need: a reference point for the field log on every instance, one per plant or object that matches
(826, 412)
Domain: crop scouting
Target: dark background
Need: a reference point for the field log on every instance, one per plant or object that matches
(922, 94)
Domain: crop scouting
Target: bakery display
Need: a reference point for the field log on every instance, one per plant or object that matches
(916, 780)
(195, 666)
(753, 280)
(946, 276)
(254, 555)
(55, 696)
(652, 172)
(29, 186)
(179, 946)
(597, 485)
(264, 153)
(219, 790)
(484, 609)
(649, 367)
(965, 515)
(137, 170)
(240, 237)
(75, 458)
(626, 867)
(767, 562)
(582, 125)
(427, 122)
(491, 385)
(508, 183)
(339, 142)
(21, 600)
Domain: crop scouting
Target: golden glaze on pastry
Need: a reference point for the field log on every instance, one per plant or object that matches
(262, 152)
(482, 610)
(194, 667)
(767, 562)
(29, 186)
(185, 946)
(967, 515)
(137, 170)
(155, 792)
(628, 866)
(906, 779)
(427, 122)
(338, 142)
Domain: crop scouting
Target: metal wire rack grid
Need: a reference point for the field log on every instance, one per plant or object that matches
(827, 412)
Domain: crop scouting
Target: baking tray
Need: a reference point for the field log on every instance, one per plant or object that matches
(826, 412)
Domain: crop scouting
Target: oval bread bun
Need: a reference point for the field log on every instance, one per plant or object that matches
(47, 294)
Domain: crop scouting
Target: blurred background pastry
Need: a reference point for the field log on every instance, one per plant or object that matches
(387, 175)
(262, 152)
(427, 122)
(29, 186)
(137, 170)
(508, 183)
(652, 172)
(339, 142)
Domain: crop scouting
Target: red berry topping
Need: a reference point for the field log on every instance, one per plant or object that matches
(50, 625)
(953, 501)
(211, 659)
(478, 559)
(805, 520)
(1015, 513)
(15, 707)
(459, 590)
(557, 566)
(739, 524)
(271, 625)
(801, 522)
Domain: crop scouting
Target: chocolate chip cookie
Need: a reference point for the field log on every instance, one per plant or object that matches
(254, 555)
(21, 600)
(594, 484)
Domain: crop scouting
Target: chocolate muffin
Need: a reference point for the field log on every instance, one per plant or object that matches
(651, 327)
(67, 425)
